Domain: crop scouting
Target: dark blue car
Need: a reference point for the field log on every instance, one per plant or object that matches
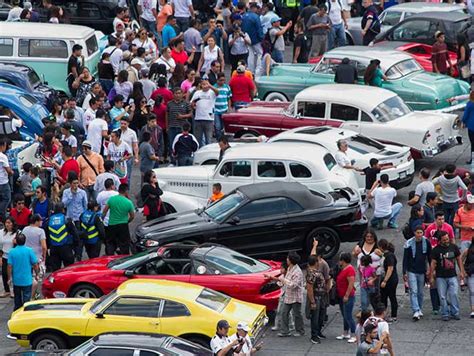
(27, 79)
(25, 106)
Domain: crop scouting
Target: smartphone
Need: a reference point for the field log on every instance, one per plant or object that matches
(131, 101)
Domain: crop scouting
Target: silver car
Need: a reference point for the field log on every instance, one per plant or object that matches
(395, 14)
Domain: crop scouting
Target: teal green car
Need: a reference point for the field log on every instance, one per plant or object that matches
(419, 89)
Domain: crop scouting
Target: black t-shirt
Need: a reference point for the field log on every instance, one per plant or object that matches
(390, 260)
(445, 257)
(73, 62)
(302, 42)
(370, 176)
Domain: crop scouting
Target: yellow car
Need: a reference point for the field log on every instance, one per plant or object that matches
(139, 305)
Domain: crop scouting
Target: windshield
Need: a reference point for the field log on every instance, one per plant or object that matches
(102, 302)
(213, 300)
(231, 262)
(402, 69)
(364, 145)
(34, 79)
(129, 261)
(223, 207)
(391, 109)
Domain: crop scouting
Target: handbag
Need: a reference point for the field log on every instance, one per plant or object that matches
(464, 69)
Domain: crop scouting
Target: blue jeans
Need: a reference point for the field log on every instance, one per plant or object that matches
(129, 171)
(240, 104)
(392, 218)
(448, 290)
(450, 210)
(182, 23)
(22, 295)
(5, 199)
(337, 36)
(150, 26)
(185, 161)
(416, 281)
(278, 55)
(365, 297)
(218, 126)
(465, 245)
(346, 312)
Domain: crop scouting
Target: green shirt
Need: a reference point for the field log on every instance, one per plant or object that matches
(119, 207)
(35, 183)
(378, 78)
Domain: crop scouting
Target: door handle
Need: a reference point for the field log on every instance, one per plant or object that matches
(156, 323)
(279, 225)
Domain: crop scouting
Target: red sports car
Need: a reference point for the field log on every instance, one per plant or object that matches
(209, 265)
(419, 51)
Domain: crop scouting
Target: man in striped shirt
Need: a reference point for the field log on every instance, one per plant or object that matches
(222, 104)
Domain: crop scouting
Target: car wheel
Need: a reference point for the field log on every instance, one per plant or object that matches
(328, 241)
(201, 341)
(48, 342)
(246, 134)
(86, 291)
(169, 208)
(275, 96)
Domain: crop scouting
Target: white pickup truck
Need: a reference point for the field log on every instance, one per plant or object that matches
(187, 188)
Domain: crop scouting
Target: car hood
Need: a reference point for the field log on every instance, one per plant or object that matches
(422, 120)
(93, 265)
(259, 109)
(442, 86)
(55, 308)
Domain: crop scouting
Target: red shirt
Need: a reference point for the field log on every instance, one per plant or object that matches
(21, 217)
(241, 87)
(179, 57)
(431, 230)
(342, 283)
(160, 112)
(69, 165)
(165, 93)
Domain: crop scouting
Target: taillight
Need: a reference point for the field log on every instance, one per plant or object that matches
(358, 214)
(426, 137)
(269, 287)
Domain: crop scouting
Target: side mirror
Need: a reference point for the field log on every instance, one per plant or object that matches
(128, 273)
(298, 116)
(235, 220)
(99, 316)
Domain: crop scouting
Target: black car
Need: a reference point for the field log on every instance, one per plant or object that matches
(422, 27)
(264, 220)
(27, 79)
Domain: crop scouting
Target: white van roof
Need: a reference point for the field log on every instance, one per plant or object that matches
(43, 30)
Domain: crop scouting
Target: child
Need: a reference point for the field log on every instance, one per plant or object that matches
(217, 193)
(368, 277)
(371, 173)
(24, 181)
(92, 228)
(35, 180)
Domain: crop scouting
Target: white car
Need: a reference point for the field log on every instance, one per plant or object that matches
(27, 153)
(186, 188)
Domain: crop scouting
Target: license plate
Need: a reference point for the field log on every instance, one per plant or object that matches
(402, 175)
(440, 138)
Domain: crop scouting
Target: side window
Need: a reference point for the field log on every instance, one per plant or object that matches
(365, 117)
(6, 47)
(329, 65)
(292, 206)
(344, 112)
(312, 109)
(416, 29)
(70, 8)
(236, 169)
(391, 18)
(88, 10)
(173, 309)
(43, 48)
(138, 307)
(261, 208)
(271, 169)
(299, 171)
(361, 68)
(329, 161)
(91, 45)
(106, 351)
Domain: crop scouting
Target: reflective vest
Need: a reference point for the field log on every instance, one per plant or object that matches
(58, 233)
(291, 3)
(88, 226)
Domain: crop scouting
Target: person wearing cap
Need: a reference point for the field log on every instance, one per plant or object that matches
(34, 15)
(243, 89)
(439, 55)
(251, 24)
(119, 32)
(277, 39)
(464, 221)
(91, 164)
(245, 346)
(221, 345)
(133, 70)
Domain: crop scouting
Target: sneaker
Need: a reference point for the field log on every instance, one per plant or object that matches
(472, 314)
(298, 334)
(392, 226)
(435, 312)
(420, 313)
(416, 316)
(316, 340)
(445, 318)
(342, 337)
(283, 335)
(322, 336)
(391, 320)
(275, 328)
(456, 317)
(352, 340)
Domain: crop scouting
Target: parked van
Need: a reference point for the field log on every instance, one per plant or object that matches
(47, 47)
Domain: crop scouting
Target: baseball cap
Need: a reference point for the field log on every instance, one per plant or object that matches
(223, 324)
(242, 325)
(87, 144)
(470, 198)
(126, 55)
(275, 19)
(135, 61)
(241, 69)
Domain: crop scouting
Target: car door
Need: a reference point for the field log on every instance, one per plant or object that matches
(127, 314)
(173, 316)
(342, 115)
(257, 228)
(308, 113)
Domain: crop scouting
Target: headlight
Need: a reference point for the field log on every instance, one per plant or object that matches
(457, 124)
(151, 243)
(51, 279)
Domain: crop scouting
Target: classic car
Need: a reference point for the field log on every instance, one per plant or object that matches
(265, 219)
(188, 188)
(211, 266)
(27, 79)
(421, 52)
(421, 28)
(420, 90)
(381, 115)
(395, 14)
(25, 106)
(150, 306)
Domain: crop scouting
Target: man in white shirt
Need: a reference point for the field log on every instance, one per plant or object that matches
(337, 34)
(115, 53)
(99, 184)
(203, 102)
(148, 11)
(15, 11)
(183, 10)
(341, 156)
(383, 195)
(89, 114)
(103, 197)
(97, 131)
(220, 343)
(245, 346)
(5, 171)
(129, 136)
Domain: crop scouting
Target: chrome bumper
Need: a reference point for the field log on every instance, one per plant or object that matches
(442, 146)
(11, 337)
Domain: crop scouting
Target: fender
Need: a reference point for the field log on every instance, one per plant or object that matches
(182, 202)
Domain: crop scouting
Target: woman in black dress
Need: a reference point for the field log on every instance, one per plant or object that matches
(153, 207)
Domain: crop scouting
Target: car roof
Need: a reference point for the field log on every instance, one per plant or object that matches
(12, 66)
(388, 57)
(291, 190)
(416, 7)
(449, 16)
(160, 288)
(45, 30)
(153, 341)
(326, 135)
(11, 89)
(349, 94)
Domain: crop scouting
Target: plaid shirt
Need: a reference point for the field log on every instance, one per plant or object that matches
(293, 285)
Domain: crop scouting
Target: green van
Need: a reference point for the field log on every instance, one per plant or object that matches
(47, 47)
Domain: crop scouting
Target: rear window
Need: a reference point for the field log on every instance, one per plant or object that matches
(91, 45)
(364, 145)
(329, 161)
(213, 300)
(43, 48)
(6, 47)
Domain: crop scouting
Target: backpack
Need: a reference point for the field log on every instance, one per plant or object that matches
(267, 42)
(406, 231)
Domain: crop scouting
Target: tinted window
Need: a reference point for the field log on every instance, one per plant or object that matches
(213, 300)
(148, 353)
(91, 44)
(328, 65)
(219, 210)
(364, 145)
(173, 309)
(43, 48)
(6, 47)
(262, 208)
(88, 10)
(292, 206)
(344, 112)
(236, 169)
(391, 18)
(128, 306)
(312, 109)
(299, 171)
(231, 262)
(329, 161)
(365, 117)
(271, 169)
(107, 351)
(416, 29)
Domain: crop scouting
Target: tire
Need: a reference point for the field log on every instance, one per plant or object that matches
(86, 291)
(201, 341)
(246, 134)
(328, 241)
(169, 208)
(349, 40)
(276, 96)
(49, 342)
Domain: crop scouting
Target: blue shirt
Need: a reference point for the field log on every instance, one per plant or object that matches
(75, 203)
(113, 113)
(167, 34)
(468, 117)
(253, 27)
(22, 259)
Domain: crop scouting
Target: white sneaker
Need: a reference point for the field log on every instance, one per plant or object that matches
(274, 328)
(352, 340)
(420, 314)
(342, 337)
(472, 314)
(416, 316)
